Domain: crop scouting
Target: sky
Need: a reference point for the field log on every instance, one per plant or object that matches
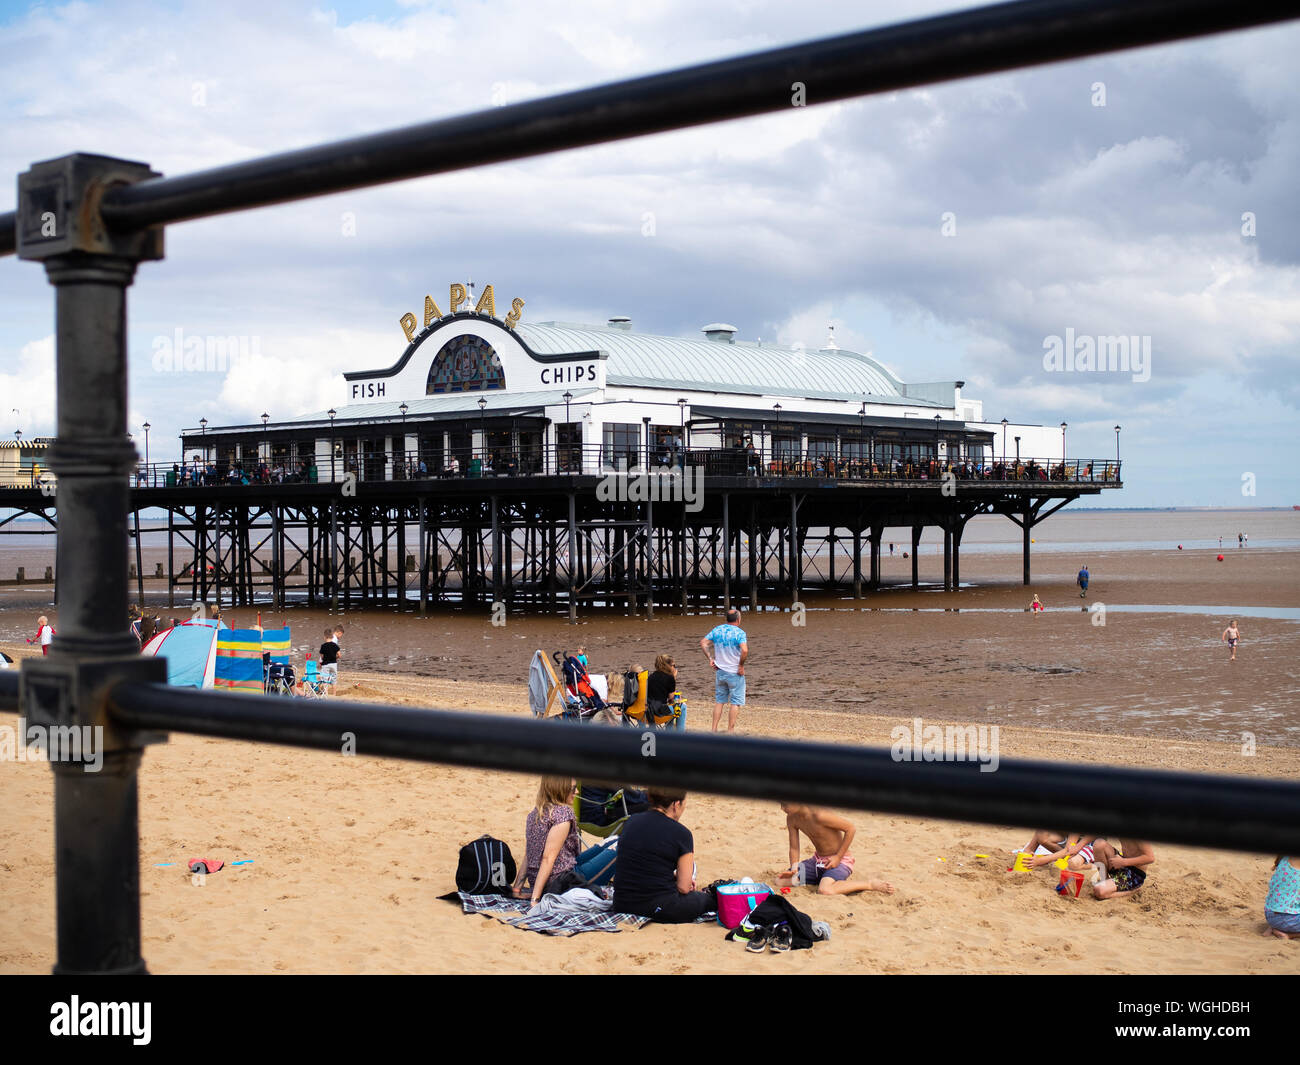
(951, 231)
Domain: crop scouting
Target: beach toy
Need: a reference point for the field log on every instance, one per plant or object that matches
(162, 865)
(243, 861)
(735, 901)
(1022, 864)
(1219, 559)
(1070, 884)
(205, 865)
(981, 856)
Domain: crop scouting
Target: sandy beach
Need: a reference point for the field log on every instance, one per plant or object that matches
(349, 854)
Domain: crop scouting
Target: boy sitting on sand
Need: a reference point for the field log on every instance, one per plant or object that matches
(831, 865)
(1124, 862)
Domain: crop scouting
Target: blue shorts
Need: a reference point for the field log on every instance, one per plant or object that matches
(1283, 922)
(729, 688)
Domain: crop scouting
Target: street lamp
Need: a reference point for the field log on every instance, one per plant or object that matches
(148, 472)
(681, 436)
(332, 412)
(1004, 441)
(482, 427)
(1063, 450)
(936, 441)
(568, 429)
(265, 442)
(203, 433)
(1117, 451)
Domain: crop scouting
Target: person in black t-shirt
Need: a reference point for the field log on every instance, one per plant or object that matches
(656, 865)
(659, 688)
(329, 657)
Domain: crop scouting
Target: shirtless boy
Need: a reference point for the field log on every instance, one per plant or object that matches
(831, 865)
(1125, 862)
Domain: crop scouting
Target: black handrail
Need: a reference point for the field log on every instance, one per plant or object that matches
(1235, 813)
(925, 51)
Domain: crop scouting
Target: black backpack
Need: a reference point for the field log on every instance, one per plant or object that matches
(486, 867)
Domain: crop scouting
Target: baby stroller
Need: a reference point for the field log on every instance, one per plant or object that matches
(581, 703)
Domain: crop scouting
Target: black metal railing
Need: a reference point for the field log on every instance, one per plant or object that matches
(104, 210)
(596, 460)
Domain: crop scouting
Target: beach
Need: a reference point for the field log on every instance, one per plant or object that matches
(349, 854)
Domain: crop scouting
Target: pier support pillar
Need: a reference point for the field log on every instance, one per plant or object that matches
(916, 543)
(947, 558)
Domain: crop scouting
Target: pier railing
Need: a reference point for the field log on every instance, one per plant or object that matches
(595, 460)
(91, 219)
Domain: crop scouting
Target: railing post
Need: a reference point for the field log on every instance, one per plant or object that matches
(96, 831)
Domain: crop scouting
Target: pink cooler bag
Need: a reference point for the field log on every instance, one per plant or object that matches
(735, 901)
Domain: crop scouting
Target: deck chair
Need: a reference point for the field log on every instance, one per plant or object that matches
(602, 812)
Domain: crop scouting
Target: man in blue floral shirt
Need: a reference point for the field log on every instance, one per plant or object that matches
(727, 649)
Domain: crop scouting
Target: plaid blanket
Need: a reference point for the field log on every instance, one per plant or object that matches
(515, 912)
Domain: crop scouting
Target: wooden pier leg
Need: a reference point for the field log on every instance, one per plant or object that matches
(171, 559)
(726, 551)
(573, 559)
(333, 586)
(424, 559)
(401, 556)
(496, 550)
(877, 531)
(649, 561)
(916, 544)
(794, 549)
(956, 555)
(947, 557)
(857, 562)
(1025, 529)
(753, 557)
(216, 555)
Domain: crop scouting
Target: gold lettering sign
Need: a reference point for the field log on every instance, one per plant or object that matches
(458, 299)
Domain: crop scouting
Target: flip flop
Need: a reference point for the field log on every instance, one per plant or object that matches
(205, 865)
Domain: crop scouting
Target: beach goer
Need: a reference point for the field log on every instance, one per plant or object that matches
(1239, 539)
(329, 658)
(44, 634)
(831, 865)
(551, 839)
(656, 864)
(660, 686)
(1282, 907)
(1245, 539)
(727, 649)
(891, 550)
(1230, 636)
(1123, 862)
(1045, 838)
(1082, 581)
(1036, 606)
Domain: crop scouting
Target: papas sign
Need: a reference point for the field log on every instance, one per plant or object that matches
(458, 300)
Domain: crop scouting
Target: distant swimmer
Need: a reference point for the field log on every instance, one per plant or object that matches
(1036, 606)
(1082, 581)
(1230, 636)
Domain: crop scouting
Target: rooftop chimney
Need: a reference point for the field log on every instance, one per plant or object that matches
(720, 332)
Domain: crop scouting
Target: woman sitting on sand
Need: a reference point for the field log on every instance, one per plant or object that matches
(1282, 907)
(659, 687)
(551, 832)
(656, 864)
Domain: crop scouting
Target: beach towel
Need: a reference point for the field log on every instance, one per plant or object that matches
(555, 920)
(239, 661)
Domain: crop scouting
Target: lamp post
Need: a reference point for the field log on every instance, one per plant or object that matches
(1017, 451)
(776, 409)
(1063, 424)
(265, 442)
(1004, 441)
(332, 413)
(403, 409)
(862, 430)
(18, 456)
(482, 429)
(568, 396)
(148, 471)
(936, 441)
(681, 406)
(1117, 451)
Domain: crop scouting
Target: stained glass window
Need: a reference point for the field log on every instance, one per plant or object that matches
(465, 364)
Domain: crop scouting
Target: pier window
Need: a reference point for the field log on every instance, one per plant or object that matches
(622, 444)
(465, 364)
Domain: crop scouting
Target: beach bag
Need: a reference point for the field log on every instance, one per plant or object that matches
(486, 867)
(736, 901)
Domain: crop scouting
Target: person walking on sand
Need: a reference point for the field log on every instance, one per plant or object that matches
(1230, 636)
(1239, 539)
(727, 649)
(44, 634)
(831, 865)
(1082, 581)
(1036, 607)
